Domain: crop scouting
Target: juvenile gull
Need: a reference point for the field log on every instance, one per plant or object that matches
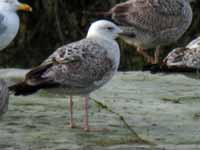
(188, 57)
(152, 23)
(9, 20)
(77, 68)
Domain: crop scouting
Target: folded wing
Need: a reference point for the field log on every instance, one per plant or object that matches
(77, 65)
(149, 15)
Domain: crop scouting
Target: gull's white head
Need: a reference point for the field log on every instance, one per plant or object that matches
(14, 5)
(104, 29)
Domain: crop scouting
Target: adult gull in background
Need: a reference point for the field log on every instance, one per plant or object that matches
(152, 23)
(9, 20)
(77, 68)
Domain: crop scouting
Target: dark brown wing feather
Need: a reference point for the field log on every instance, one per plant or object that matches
(33, 82)
(33, 77)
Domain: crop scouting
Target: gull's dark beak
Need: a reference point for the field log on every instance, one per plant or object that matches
(129, 34)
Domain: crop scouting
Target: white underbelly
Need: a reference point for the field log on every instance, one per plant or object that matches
(11, 22)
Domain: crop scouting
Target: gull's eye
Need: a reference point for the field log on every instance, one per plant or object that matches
(110, 28)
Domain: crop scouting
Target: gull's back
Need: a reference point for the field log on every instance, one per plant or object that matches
(154, 22)
(86, 66)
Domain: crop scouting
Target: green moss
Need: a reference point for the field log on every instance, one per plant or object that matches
(196, 116)
(38, 136)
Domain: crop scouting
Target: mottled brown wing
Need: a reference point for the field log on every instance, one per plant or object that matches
(192, 58)
(76, 65)
(84, 62)
(34, 76)
(149, 15)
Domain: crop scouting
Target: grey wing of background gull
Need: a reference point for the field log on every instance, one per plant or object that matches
(4, 97)
(2, 26)
(79, 64)
(149, 15)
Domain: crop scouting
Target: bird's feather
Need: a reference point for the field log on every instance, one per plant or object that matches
(2, 26)
(184, 57)
(77, 65)
(150, 15)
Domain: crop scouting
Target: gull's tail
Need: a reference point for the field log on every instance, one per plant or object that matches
(33, 82)
(23, 88)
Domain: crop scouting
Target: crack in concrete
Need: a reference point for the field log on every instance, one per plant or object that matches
(121, 118)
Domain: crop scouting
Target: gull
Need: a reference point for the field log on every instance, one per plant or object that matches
(9, 20)
(78, 68)
(152, 23)
(185, 57)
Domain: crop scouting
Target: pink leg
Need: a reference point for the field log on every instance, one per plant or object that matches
(86, 126)
(145, 55)
(156, 55)
(71, 112)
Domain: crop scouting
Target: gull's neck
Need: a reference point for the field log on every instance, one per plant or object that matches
(109, 44)
(100, 37)
(6, 7)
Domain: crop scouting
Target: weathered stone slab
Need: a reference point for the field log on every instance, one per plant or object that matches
(162, 109)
